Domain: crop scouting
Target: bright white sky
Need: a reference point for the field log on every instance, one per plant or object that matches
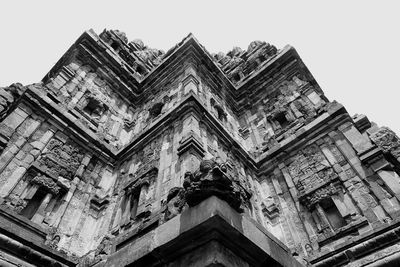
(351, 47)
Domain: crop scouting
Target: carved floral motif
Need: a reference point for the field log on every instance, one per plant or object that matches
(238, 64)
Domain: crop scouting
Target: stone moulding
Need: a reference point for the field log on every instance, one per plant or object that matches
(194, 104)
(46, 183)
(99, 203)
(90, 46)
(360, 246)
(191, 142)
(342, 232)
(334, 114)
(198, 227)
(15, 227)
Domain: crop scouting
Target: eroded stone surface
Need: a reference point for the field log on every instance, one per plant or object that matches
(114, 145)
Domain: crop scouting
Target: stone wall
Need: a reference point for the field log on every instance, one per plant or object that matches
(107, 148)
(50, 177)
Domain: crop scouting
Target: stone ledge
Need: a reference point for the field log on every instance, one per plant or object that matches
(360, 246)
(199, 226)
(20, 236)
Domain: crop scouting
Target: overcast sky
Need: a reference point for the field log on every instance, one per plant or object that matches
(351, 47)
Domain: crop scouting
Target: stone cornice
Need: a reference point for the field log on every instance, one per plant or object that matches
(189, 104)
(214, 220)
(21, 236)
(329, 120)
(360, 246)
(38, 99)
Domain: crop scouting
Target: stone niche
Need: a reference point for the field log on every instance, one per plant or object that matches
(322, 192)
(37, 196)
(137, 185)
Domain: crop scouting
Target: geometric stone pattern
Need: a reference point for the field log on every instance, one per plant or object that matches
(119, 141)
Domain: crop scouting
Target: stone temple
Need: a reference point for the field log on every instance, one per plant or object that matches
(124, 155)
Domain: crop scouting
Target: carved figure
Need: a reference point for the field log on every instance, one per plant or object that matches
(387, 140)
(175, 203)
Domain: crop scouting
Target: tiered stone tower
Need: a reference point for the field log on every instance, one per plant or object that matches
(128, 156)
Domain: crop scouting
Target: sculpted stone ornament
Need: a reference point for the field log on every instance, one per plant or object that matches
(101, 253)
(14, 203)
(8, 96)
(60, 159)
(239, 64)
(52, 238)
(211, 179)
(104, 248)
(387, 140)
(175, 203)
(46, 183)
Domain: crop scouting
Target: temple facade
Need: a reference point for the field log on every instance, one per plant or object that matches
(126, 155)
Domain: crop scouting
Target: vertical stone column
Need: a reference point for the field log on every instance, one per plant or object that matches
(142, 203)
(126, 215)
(190, 147)
(39, 215)
(324, 223)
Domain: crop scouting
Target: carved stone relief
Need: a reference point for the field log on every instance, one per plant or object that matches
(211, 179)
(60, 159)
(238, 64)
(387, 140)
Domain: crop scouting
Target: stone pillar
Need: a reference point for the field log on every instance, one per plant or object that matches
(55, 218)
(39, 216)
(117, 217)
(143, 204)
(126, 215)
(340, 205)
(324, 223)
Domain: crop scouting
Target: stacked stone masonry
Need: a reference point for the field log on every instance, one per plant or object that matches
(118, 139)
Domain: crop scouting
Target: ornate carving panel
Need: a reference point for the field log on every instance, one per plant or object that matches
(60, 159)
